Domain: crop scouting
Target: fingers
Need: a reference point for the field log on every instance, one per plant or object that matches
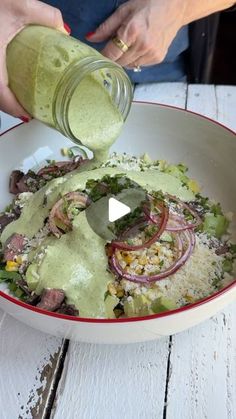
(130, 56)
(137, 28)
(128, 34)
(112, 51)
(143, 51)
(8, 102)
(139, 46)
(110, 27)
(131, 33)
(145, 60)
(142, 54)
(40, 13)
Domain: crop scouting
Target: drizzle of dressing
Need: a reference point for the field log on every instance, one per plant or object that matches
(43, 54)
(77, 261)
(94, 119)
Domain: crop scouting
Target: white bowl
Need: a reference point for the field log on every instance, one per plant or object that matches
(208, 149)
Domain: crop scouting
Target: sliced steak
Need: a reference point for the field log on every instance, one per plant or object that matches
(29, 182)
(15, 177)
(14, 246)
(68, 309)
(51, 299)
(60, 168)
(5, 219)
(16, 212)
(33, 299)
(8, 217)
(23, 185)
(221, 250)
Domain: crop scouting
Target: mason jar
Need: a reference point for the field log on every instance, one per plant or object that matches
(68, 85)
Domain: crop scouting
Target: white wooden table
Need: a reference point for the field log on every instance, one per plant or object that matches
(191, 375)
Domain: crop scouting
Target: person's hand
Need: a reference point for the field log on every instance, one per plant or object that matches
(147, 27)
(14, 16)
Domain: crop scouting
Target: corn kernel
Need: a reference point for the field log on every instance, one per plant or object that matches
(118, 255)
(128, 258)
(155, 260)
(19, 260)
(142, 260)
(120, 293)
(189, 298)
(12, 266)
(64, 151)
(193, 185)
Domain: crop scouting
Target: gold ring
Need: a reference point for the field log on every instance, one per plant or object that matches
(120, 44)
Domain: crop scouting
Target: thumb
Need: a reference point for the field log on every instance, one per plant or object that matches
(42, 14)
(109, 27)
(8, 102)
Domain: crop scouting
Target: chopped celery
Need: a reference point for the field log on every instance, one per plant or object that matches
(215, 225)
(111, 302)
(162, 304)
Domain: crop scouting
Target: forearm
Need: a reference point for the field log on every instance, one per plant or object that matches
(196, 9)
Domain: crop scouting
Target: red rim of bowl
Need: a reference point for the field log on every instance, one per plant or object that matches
(129, 319)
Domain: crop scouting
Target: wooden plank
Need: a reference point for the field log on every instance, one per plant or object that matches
(202, 99)
(166, 93)
(28, 359)
(202, 381)
(226, 98)
(126, 381)
(107, 381)
(203, 370)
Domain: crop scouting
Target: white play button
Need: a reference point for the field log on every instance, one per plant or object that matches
(109, 214)
(117, 209)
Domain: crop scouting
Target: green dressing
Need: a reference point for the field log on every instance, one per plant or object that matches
(81, 272)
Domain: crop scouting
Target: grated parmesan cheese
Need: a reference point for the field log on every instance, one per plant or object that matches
(22, 198)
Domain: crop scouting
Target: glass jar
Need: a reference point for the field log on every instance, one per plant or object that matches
(68, 85)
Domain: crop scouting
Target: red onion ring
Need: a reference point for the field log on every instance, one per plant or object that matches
(125, 246)
(184, 255)
(154, 218)
(180, 219)
(56, 211)
(176, 222)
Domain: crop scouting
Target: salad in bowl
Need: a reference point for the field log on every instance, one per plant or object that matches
(162, 268)
(172, 250)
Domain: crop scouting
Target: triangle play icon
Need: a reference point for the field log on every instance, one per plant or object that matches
(117, 209)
